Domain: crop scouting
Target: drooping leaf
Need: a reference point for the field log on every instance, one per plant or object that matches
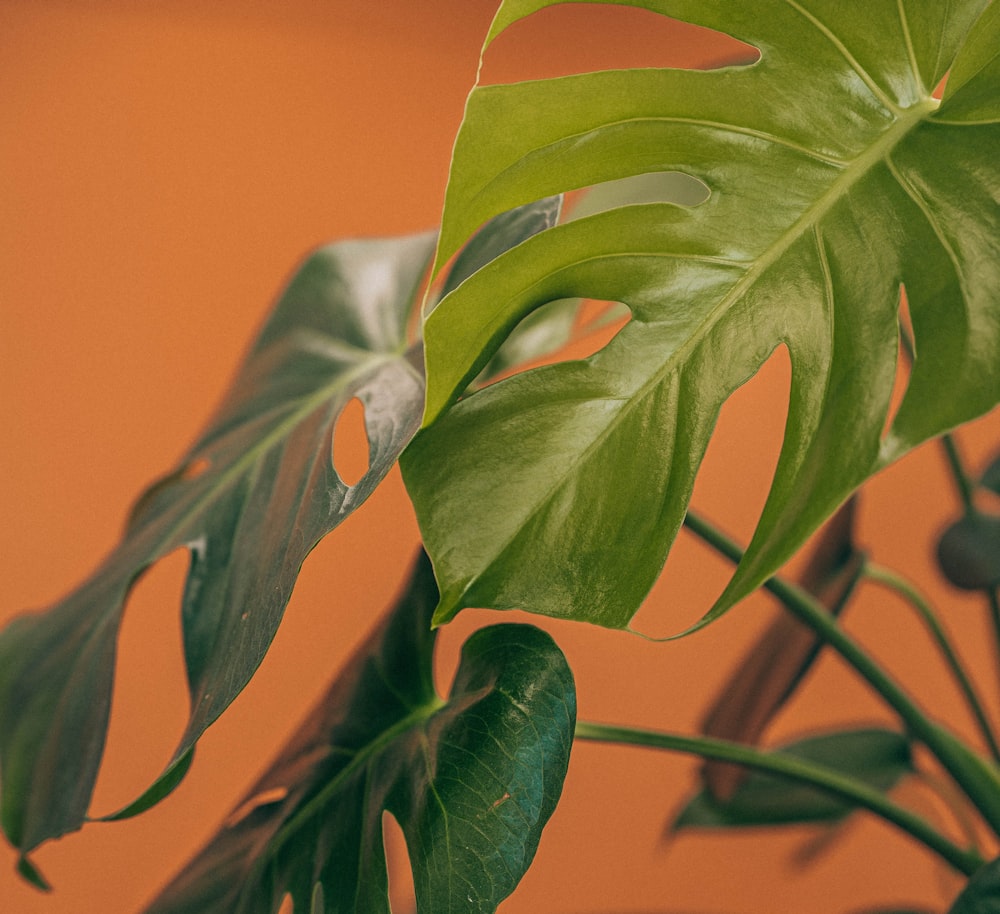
(878, 758)
(252, 497)
(771, 670)
(982, 893)
(835, 178)
(250, 500)
(968, 552)
(472, 779)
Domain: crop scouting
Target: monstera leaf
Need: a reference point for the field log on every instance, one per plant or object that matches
(472, 779)
(250, 500)
(835, 179)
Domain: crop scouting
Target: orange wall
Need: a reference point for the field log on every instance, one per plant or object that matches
(163, 166)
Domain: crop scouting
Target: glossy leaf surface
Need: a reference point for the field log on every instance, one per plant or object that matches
(835, 178)
(878, 758)
(471, 780)
(250, 500)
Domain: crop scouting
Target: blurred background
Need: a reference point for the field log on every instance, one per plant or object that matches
(163, 168)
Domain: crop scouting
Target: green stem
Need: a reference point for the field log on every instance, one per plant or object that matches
(978, 779)
(963, 483)
(799, 769)
(889, 579)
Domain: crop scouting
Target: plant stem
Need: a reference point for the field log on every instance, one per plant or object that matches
(964, 860)
(977, 778)
(889, 579)
(963, 484)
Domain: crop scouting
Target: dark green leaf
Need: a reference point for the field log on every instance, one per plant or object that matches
(969, 552)
(471, 780)
(835, 177)
(982, 893)
(251, 499)
(991, 477)
(878, 758)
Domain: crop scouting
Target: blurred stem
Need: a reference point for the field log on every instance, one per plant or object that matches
(966, 487)
(846, 788)
(956, 465)
(904, 588)
(977, 778)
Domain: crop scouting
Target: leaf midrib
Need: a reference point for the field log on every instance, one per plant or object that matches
(854, 172)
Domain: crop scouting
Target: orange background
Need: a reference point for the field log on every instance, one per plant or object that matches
(163, 167)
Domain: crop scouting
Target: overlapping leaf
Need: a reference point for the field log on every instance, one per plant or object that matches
(471, 780)
(250, 501)
(835, 178)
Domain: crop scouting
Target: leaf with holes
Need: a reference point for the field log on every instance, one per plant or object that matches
(472, 779)
(835, 178)
(251, 499)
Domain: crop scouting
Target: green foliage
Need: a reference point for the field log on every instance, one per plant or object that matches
(471, 780)
(878, 758)
(982, 894)
(834, 177)
(250, 500)
(821, 200)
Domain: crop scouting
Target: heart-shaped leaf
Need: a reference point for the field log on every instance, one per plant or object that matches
(472, 780)
(878, 758)
(835, 178)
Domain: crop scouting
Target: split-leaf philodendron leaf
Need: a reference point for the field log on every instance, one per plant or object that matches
(471, 780)
(250, 500)
(835, 180)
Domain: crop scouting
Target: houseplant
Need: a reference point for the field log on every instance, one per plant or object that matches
(942, 405)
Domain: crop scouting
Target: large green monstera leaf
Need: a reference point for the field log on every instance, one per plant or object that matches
(471, 780)
(835, 181)
(250, 500)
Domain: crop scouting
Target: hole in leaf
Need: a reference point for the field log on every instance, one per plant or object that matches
(579, 38)
(904, 362)
(351, 456)
(287, 905)
(568, 328)
(730, 489)
(402, 897)
(654, 187)
(149, 700)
